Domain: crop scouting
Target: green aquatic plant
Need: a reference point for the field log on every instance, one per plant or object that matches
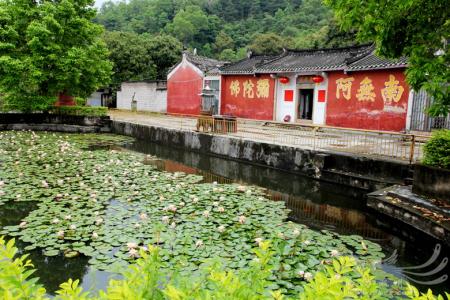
(93, 199)
(148, 278)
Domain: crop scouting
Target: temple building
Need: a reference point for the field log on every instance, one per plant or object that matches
(343, 87)
(349, 87)
(187, 79)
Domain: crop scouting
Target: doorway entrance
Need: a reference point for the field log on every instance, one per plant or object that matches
(305, 104)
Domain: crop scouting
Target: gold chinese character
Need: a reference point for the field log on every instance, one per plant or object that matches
(392, 91)
(366, 90)
(262, 88)
(344, 85)
(235, 88)
(248, 89)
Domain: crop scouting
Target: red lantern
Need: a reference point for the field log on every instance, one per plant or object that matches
(284, 80)
(317, 79)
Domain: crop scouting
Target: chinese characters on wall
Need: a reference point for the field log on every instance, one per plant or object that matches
(392, 91)
(249, 89)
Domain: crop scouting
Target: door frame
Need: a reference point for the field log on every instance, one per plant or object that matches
(304, 86)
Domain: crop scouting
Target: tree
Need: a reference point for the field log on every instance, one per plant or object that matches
(165, 51)
(130, 57)
(48, 48)
(223, 41)
(228, 55)
(268, 43)
(417, 29)
(187, 23)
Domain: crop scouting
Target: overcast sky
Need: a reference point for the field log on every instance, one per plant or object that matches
(98, 3)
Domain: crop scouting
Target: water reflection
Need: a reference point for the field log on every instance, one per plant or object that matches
(319, 205)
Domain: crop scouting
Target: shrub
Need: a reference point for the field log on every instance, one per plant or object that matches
(86, 111)
(80, 101)
(148, 279)
(437, 150)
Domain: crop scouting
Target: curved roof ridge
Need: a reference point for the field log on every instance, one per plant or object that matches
(358, 48)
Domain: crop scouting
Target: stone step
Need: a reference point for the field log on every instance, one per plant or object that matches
(426, 215)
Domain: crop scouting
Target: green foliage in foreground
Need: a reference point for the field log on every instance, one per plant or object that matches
(47, 48)
(73, 183)
(437, 150)
(86, 111)
(417, 29)
(147, 279)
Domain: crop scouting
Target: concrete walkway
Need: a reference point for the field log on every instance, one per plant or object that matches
(365, 143)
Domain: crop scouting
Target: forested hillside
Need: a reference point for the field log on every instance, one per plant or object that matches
(226, 29)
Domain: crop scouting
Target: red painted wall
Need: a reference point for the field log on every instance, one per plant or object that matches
(372, 111)
(247, 96)
(183, 89)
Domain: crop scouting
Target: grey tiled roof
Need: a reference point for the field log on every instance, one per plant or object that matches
(204, 63)
(374, 62)
(247, 65)
(315, 59)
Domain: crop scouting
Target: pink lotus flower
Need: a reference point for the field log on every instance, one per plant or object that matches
(172, 208)
(133, 253)
(242, 219)
(308, 276)
(241, 188)
(132, 245)
(22, 224)
(60, 234)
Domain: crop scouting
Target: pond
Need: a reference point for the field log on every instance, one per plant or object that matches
(82, 204)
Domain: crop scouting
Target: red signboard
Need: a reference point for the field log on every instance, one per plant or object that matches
(288, 95)
(375, 100)
(321, 95)
(248, 96)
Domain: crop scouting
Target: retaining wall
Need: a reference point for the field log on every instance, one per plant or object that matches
(432, 182)
(54, 122)
(360, 172)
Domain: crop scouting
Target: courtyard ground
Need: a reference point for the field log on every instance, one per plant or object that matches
(405, 147)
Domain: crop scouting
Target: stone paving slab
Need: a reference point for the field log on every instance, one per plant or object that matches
(384, 145)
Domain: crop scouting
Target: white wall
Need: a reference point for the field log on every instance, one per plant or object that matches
(148, 96)
(95, 99)
(284, 108)
(319, 108)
